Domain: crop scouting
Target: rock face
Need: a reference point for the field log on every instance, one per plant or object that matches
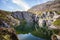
(6, 20)
(7, 34)
(47, 18)
(14, 18)
(13, 21)
(46, 10)
(46, 13)
(28, 16)
(48, 6)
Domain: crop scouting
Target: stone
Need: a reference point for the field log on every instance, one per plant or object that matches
(7, 34)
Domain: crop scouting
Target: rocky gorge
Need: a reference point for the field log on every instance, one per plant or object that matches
(40, 20)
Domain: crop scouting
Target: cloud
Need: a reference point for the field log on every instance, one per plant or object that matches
(22, 4)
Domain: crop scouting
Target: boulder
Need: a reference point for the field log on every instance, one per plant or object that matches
(7, 34)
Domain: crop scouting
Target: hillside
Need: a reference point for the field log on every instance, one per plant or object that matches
(16, 18)
(6, 20)
(46, 11)
(48, 6)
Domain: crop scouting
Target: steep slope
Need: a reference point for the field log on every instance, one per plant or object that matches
(48, 6)
(49, 19)
(27, 16)
(48, 13)
(6, 20)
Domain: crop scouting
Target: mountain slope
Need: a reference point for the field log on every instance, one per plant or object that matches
(47, 12)
(15, 18)
(6, 20)
(48, 6)
(23, 16)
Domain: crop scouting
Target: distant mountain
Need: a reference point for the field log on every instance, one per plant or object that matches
(48, 6)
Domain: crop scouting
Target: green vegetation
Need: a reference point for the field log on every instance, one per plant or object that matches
(42, 32)
(57, 22)
(57, 12)
(45, 33)
(24, 27)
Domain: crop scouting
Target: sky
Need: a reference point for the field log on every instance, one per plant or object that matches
(19, 5)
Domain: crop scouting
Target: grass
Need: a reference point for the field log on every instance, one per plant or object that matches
(57, 12)
(57, 22)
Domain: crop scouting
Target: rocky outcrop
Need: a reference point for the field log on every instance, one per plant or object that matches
(13, 21)
(10, 22)
(28, 16)
(6, 20)
(47, 18)
(7, 34)
(47, 13)
(15, 18)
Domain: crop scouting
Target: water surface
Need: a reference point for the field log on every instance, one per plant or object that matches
(28, 36)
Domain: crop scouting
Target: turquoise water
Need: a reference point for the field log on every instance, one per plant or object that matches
(28, 36)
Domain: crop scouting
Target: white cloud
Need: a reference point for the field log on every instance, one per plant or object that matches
(22, 4)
